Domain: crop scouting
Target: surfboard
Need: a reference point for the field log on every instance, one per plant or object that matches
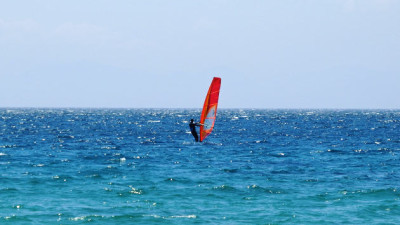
(209, 112)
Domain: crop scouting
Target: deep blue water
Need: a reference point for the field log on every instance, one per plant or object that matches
(76, 166)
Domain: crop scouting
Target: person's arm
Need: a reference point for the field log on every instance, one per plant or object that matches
(199, 124)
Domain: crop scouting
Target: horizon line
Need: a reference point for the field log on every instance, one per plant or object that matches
(196, 108)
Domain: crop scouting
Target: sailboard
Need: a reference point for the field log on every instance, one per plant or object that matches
(209, 112)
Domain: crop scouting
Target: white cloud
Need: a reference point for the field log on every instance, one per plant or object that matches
(352, 5)
(82, 33)
(22, 25)
(17, 30)
(349, 5)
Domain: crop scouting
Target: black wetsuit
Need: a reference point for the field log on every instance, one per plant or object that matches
(193, 130)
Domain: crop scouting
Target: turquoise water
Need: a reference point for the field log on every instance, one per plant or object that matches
(99, 166)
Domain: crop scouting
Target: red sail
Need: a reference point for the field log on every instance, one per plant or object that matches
(209, 112)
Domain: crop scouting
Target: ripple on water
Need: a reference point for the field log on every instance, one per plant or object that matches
(111, 166)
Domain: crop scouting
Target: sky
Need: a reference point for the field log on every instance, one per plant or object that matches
(331, 54)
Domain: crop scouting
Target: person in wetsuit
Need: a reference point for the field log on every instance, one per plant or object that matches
(192, 126)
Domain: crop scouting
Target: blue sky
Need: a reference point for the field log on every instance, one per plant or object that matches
(163, 54)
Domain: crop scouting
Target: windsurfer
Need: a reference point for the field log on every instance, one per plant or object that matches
(192, 126)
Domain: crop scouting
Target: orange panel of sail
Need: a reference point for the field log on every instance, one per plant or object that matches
(209, 112)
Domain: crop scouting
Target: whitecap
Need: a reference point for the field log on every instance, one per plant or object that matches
(77, 218)
(153, 215)
(185, 216)
(135, 191)
(2, 154)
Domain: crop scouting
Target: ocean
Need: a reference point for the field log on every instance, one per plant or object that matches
(142, 166)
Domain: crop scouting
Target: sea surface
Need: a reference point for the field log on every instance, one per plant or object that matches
(142, 166)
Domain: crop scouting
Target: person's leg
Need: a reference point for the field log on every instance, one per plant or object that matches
(196, 137)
